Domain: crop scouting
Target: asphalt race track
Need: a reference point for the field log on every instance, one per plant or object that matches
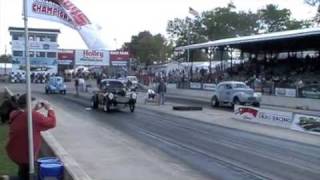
(213, 151)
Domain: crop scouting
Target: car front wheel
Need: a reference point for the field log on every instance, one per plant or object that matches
(214, 101)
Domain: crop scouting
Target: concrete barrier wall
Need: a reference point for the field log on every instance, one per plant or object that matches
(51, 147)
(47, 151)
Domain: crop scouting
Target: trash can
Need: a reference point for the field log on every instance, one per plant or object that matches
(48, 160)
(51, 171)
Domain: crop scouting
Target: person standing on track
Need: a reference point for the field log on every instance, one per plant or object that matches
(76, 85)
(162, 89)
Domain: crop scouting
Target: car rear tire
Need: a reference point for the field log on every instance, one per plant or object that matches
(47, 91)
(214, 101)
(256, 104)
(236, 101)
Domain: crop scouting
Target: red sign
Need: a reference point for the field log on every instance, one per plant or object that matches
(66, 57)
(119, 56)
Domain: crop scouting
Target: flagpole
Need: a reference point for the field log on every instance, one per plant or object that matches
(28, 88)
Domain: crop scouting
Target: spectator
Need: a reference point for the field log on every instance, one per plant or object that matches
(76, 85)
(299, 85)
(7, 107)
(17, 146)
(162, 89)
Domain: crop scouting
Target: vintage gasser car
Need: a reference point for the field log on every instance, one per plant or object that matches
(235, 93)
(113, 94)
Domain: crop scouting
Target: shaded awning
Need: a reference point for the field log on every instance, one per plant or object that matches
(293, 40)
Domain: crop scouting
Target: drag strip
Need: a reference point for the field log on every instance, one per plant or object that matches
(217, 152)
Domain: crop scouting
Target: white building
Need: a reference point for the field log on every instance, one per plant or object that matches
(43, 49)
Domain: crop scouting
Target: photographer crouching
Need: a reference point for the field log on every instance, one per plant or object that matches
(17, 147)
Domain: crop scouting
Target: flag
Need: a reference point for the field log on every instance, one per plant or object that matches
(67, 13)
(193, 12)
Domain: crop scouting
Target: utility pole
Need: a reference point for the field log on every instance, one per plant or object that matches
(28, 88)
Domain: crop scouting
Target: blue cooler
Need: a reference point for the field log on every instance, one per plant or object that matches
(43, 170)
(51, 171)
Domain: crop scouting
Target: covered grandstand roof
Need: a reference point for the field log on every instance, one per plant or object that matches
(293, 40)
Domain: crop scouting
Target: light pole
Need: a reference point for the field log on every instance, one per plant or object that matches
(28, 88)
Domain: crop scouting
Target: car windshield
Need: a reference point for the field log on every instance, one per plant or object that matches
(240, 86)
(113, 84)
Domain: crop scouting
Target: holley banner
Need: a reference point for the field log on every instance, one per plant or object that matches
(67, 13)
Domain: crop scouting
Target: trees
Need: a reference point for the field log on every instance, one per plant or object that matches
(5, 59)
(315, 3)
(273, 19)
(225, 22)
(179, 29)
(147, 48)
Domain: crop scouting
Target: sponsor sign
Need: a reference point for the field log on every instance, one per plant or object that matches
(119, 63)
(306, 123)
(286, 92)
(67, 13)
(280, 92)
(61, 11)
(119, 56)
(34, 45)
(35, 61)
(20, 68)
(66, 57)
(92, 58)
(209, 86)
(264, 116)
(195, 85)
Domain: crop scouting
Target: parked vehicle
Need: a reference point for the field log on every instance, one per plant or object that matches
(56, 85)
(132, 79)
(235, 93)
(113, 94)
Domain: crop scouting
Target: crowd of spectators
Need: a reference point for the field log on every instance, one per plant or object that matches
(265, 75)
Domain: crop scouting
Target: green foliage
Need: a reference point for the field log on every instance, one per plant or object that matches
(147, 48)
(312, 2)
(5, 58)
(6, 165)
(226, 22)
(315, 3)
(273, 19)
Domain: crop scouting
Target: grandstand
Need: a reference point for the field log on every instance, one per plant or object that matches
(281, 58)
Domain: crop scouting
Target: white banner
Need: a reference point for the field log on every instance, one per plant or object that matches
(209, 86)
(65, 12)
(286, 92)
(306, 123)
(195, 85)
(34, 45)
(264, 116)
(92, 58)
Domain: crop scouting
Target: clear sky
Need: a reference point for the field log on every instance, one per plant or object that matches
(120, 19)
